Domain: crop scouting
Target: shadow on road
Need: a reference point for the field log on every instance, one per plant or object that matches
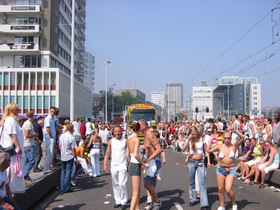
(70, 207)
(171, 196)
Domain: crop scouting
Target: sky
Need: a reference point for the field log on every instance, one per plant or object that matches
(151, 43)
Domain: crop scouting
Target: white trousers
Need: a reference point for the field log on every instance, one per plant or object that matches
(84, 165)
(119, 179)
(49, 153)
(94, 157)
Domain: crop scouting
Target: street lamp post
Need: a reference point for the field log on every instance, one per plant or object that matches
(72, 76)
(106, 87)
(112, 113)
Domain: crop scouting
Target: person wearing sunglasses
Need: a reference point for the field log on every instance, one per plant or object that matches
(226, 171)
(272, 164)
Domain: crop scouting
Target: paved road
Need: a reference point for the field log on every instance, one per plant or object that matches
(91, 193)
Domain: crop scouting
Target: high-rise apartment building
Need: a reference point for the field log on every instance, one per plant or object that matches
(202, 98)
(234, 94)
(89, 71)
(158, 98)
(35, 56)
(174, 101)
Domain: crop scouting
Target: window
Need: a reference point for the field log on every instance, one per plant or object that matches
(52, 100)
(255, 98)
(32, 102)
(39, 102)
(19, 102)
(6, 101)
(46, 102)
(255, 103)
(25, 102)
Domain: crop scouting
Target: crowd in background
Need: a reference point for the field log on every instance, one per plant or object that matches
(38, 146)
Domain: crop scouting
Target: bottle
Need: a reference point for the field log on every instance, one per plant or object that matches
(145, 171)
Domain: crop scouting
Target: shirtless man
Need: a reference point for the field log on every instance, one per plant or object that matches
(152, 150)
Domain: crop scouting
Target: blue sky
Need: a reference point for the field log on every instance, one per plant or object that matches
(154, 42)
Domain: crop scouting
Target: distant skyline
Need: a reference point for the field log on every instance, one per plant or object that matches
(153, 43)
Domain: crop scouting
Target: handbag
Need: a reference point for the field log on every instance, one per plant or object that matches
(11, 149)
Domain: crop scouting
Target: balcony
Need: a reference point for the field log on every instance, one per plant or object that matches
(81, 11)
(19, 9)
(23, 29)
(81, 36)
(20, 49)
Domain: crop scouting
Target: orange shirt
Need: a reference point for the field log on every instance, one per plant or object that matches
(80, 150)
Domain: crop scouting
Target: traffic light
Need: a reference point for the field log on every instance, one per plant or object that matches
(207, 109)
(196, 109)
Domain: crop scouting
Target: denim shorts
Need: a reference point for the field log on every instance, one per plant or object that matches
(134, 169)
(223, 171)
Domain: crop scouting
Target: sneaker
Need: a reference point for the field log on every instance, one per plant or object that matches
(47, 171)
(158, 178)
(243, 178)
(149, 199)
(238, 178)
(90, 174)
(149, 207)
(37, 170)
(156, 206)
(72, 184)
(247, 181)
(221, 208)
(234, 207)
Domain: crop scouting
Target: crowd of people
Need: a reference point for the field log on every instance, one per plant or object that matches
(35, 147)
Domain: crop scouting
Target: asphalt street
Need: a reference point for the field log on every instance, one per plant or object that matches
(96, 193)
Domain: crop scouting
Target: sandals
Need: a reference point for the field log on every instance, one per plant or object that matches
(261, 186)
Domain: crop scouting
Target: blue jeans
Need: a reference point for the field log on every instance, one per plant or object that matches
(104, 149)
(29, 161)
(6, 199)
(65, 177)
(193, 166)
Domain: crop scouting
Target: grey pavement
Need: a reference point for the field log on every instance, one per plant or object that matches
(96, 193)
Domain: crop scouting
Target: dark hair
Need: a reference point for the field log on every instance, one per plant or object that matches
(236, 116)
(268, 119)
(40, 117)
(29, 114)
(136, 126)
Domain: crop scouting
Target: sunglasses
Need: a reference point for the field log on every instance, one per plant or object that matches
(227, 138)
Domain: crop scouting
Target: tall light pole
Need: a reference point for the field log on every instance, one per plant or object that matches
(106, 90)
(72, 76)
(112, 113)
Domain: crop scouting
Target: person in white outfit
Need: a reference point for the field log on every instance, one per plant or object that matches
(119, 155)
(96, 143)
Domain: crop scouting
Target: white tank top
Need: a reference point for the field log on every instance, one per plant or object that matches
(199, 148)
(118, 150)
(133, 159)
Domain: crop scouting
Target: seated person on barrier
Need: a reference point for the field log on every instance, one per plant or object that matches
(247, 156)
(7, 200)
(268, 166)
(257, 154)
(82, 158)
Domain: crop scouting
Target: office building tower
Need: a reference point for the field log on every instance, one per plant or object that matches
(35, 56)
(174, 102)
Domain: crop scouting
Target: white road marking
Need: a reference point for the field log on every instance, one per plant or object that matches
(178, 206)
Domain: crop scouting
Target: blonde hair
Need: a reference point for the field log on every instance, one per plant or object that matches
(10, 111)
(192, 140)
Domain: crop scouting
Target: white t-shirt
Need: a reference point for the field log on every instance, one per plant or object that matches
(105, 135)
(67, 143)
(88, 128)
(77, 126)
(11, 127)
(27, 125)
(3, 181)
